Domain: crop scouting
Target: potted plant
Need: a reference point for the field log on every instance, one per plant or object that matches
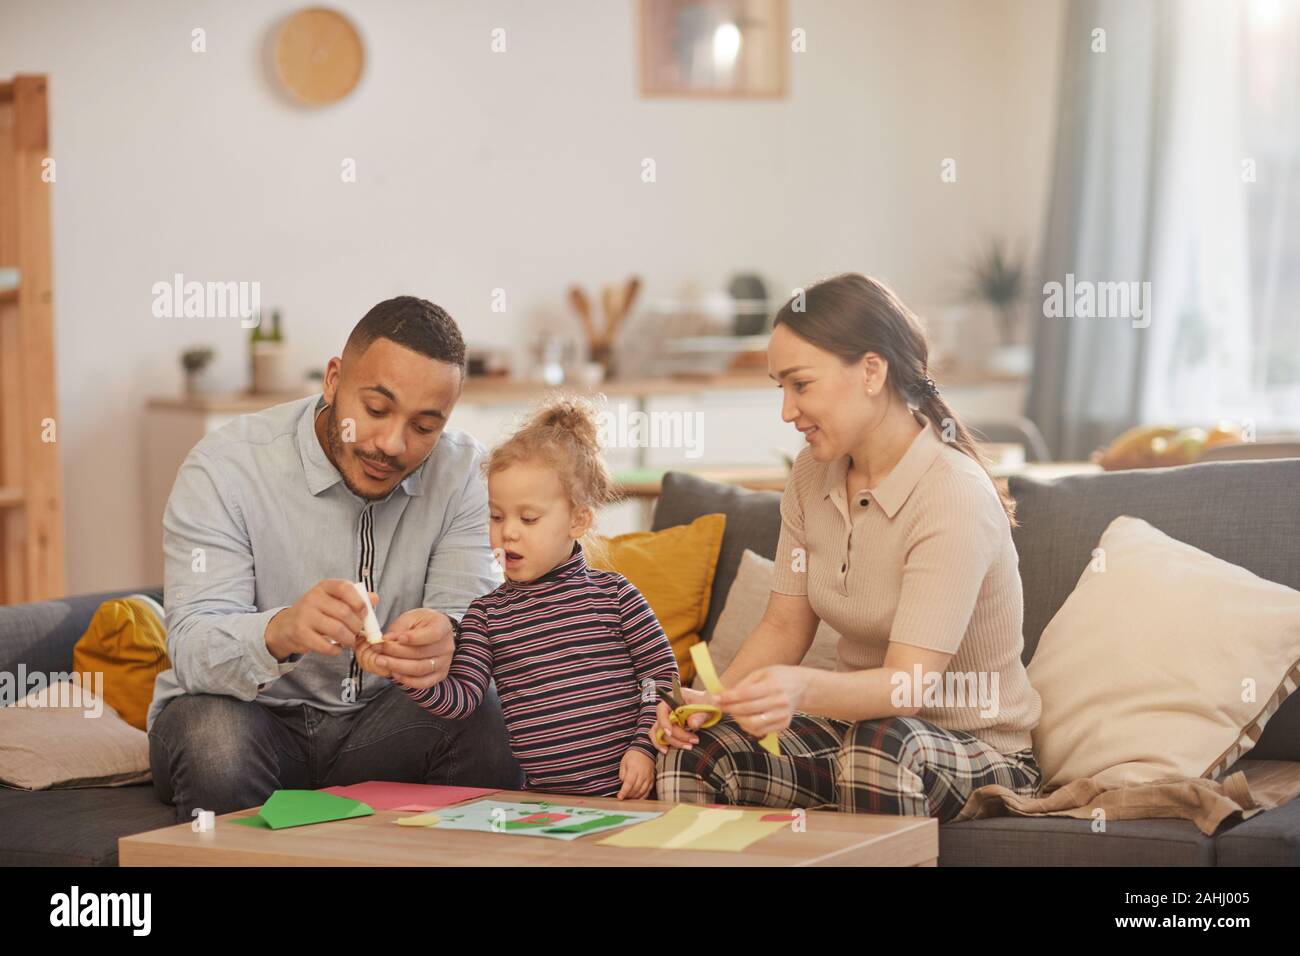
(195, 362)
(997, 281)
(268, 359)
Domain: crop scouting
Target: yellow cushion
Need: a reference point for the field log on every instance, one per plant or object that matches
(127, 643)
(673, 569)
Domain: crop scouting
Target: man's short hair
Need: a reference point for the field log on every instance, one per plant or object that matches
(412, 323)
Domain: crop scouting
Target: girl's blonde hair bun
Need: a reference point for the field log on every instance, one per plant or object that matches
(563, 433)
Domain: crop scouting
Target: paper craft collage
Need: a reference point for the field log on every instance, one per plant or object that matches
(686, 827)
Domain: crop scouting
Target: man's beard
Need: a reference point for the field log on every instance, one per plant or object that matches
(338, 452)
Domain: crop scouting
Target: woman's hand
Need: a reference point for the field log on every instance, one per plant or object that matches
(766, 700)
(683, 738)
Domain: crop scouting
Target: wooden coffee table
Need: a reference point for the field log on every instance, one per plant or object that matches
(829, 839)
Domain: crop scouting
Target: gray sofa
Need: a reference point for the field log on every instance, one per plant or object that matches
(1244, 512)
(66, 827)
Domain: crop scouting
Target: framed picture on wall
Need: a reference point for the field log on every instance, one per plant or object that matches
(717, 48)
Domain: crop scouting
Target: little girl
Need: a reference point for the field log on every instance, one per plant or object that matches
(576, 653)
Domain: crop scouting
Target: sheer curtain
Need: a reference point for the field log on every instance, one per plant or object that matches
(1272, 133)
(1149, 191)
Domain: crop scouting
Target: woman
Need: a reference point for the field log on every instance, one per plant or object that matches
(894, 534)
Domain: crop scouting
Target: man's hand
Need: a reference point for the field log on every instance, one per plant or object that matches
(329, 615)
(417, 649)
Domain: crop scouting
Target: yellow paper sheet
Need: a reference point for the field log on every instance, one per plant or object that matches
(709, 674)
(689, 827)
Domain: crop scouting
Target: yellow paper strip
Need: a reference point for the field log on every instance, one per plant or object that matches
(704, 667)
(423, 820)
(709, 674)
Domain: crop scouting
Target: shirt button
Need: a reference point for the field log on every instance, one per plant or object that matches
(843, 568)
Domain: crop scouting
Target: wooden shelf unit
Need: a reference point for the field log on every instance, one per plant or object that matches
(31, 498)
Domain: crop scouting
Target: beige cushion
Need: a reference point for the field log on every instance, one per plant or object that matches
(44, 746)
(1165, 661)
(746, 602)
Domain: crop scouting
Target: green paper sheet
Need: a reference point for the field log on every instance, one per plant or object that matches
(599, 823)
(297, 808)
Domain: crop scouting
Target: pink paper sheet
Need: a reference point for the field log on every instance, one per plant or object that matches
(407, 796)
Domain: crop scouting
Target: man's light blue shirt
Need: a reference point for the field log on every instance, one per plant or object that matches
(258, 515)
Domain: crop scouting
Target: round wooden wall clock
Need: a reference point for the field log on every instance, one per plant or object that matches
(318, 55)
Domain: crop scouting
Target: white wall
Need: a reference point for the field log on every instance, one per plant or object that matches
(476, 171)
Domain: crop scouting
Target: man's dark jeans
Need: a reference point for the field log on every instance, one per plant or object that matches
(213, 752)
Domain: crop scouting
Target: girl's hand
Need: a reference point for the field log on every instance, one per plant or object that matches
(418, 648)
(637, 771)
(367, 655)
(766, 700)
(683, 738)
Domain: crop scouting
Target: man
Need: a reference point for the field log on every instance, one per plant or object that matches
(271, 518)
